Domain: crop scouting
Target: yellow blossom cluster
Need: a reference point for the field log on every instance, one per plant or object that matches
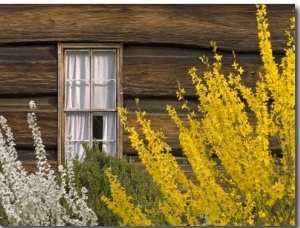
(257, 188)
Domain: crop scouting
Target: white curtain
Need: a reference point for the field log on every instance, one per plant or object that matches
(100, 87)
(77, 80)
(78, 128)
(103, 80)
(104, 94)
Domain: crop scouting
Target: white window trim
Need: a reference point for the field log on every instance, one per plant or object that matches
(61, 92)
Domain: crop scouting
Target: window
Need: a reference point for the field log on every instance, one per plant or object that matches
(89, 94)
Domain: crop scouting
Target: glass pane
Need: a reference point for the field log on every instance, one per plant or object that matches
(77, 71)
(109, 130)
(98, 127)
(78, 127)
(104, 79)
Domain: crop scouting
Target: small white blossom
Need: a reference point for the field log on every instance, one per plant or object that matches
(32, 105)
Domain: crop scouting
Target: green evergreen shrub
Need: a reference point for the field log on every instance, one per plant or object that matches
(137, 182)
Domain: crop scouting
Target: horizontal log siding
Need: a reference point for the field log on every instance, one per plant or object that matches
(21, 104)
(47, 123)
(28, 70)
(154, 71)
(232, 26)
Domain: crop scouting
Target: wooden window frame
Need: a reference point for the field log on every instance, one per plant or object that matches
(61, 47)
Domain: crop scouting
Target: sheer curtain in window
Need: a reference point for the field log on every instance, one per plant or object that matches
(77, 80)
(78, 128)
(103, 80)
(77, 98)
(104, 94)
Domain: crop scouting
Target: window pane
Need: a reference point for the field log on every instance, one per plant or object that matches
(109, 135)
(77, 125)
(104, 79)
(77, 72)
(97, 127)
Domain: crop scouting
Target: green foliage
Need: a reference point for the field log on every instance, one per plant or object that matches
(3, 218)
(137, 182)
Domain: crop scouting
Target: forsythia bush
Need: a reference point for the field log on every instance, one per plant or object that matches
(258, 188)
(38, 199)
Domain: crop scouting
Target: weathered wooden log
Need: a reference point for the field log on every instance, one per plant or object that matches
(30, 165)
(154, 71)
(29, 154)
(47, 123)
(232, 26)
(28, 70)
(21, 104)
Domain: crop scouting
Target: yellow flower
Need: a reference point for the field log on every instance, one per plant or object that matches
(235, 65)
(261, 214)
(241, 70)
(218, 57)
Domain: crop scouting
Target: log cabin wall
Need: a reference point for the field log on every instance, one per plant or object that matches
(160, 44)
(29, 72)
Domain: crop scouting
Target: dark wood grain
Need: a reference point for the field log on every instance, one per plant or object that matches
(28, 69)
(154, 71)
(29, 154)
(21, 104)
(30, 165)
(47, 123)
(232, 26)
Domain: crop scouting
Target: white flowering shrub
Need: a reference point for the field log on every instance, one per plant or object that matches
(39, 199)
